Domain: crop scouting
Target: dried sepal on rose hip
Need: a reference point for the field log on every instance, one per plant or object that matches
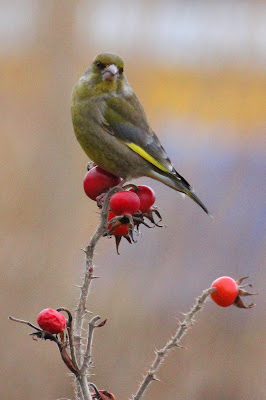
(97, 181)
(104, 395)
(129, 209)
(229, 291)
(146, 209)
(101, 394)
(119, 227)
(140, 218)
(51, 321)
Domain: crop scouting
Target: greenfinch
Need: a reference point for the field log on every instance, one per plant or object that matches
(111, 127)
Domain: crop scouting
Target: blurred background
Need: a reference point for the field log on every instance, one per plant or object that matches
(199, 70)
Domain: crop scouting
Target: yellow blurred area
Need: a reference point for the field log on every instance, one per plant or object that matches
(238, 96)
(234, 96)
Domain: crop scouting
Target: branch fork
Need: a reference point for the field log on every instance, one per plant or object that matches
(64, 341)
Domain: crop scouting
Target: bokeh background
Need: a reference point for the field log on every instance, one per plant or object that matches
(199, 70)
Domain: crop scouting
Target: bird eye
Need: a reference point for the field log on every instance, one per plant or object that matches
(100, 65)
(121, 70)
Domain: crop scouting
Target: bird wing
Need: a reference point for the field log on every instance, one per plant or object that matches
(126, 120)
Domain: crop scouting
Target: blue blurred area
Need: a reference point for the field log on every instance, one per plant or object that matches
(229, 182)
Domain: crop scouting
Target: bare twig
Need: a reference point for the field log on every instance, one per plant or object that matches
(84, 393)
(87, 355)
(172, 343)
(78, 395)
(82, 390)
(83, 382)
(88, 276)
(21, 321)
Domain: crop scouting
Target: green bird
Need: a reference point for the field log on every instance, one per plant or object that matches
(111, 127)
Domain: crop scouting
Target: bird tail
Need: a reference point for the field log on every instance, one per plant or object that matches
(194, 197)
(177, 182)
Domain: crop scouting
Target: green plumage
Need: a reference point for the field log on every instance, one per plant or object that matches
(111, 127)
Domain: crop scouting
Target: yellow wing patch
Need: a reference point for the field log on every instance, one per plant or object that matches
(147, 156)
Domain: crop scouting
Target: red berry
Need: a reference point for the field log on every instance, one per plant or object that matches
(124, 202)
(226, 291)
(146, 196)
(51, 321)
(97, 181)
(121, 230)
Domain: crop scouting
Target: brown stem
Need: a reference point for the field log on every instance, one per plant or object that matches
(67, 360)
(70, 336)
(81, 311)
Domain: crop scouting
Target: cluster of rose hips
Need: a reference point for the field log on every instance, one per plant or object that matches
(129, 207)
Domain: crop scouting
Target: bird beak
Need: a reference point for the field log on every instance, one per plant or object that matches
(110, 73)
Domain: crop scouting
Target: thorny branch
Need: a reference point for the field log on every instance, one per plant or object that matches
(79, 362)
(80, 311)
(172, 343)
(83, 360)
(87, 355)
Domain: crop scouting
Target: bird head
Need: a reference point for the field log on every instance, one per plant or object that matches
(105, 70)
(107, 67)
(105, 75)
